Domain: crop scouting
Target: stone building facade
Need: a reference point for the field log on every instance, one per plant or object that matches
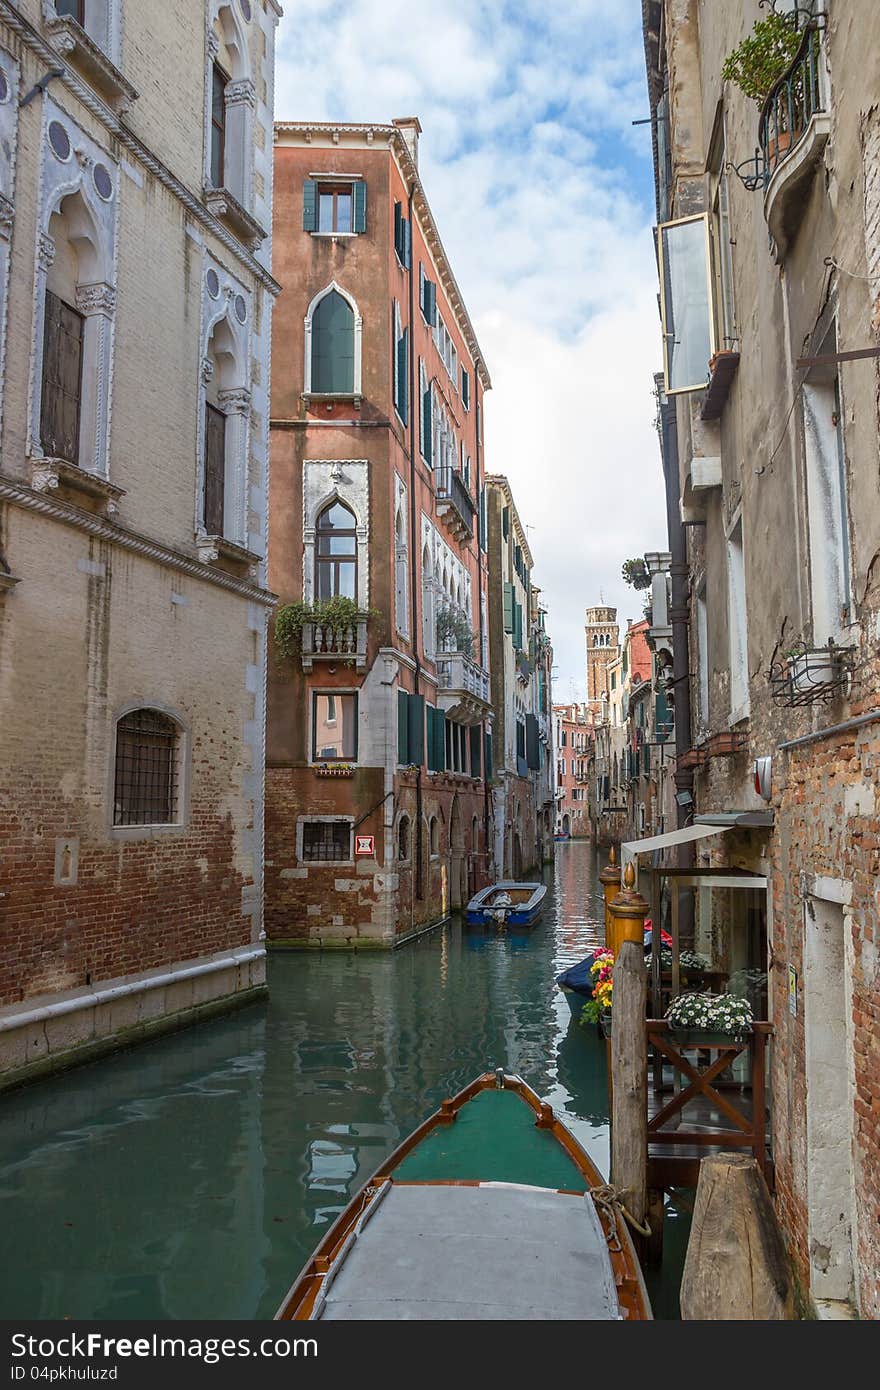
(771, 447)
(135, 302)
(522, 748)
(379, 732)
(573, 751)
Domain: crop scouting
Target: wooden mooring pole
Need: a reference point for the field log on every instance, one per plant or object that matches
(629, 1049)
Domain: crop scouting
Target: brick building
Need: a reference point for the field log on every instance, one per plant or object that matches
(573, 741)
(135, 304)
(770, 444)
(379, 732)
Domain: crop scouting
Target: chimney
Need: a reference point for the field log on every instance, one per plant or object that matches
(410, 128)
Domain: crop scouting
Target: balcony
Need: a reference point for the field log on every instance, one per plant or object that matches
(454, 503)
(81, 52)
(322, 642)
(464, 692)
(227, 209)
(793, 130)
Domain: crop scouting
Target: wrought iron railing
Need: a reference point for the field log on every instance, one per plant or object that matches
(452, 487)
(791, 102)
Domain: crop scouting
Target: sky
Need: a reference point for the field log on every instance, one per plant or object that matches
(541, 187)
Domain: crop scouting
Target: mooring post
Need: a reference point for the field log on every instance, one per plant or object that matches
(629, 1048)
(610, 881)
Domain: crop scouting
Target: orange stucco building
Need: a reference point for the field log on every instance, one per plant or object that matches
(378, 819)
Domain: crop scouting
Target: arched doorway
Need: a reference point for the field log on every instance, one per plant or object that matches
(566, 824)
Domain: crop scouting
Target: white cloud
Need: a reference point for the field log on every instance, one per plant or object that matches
(528, 156)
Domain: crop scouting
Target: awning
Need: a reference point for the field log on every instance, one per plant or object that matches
(731, 820)
(632, 848)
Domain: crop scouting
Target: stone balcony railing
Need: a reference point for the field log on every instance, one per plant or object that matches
(321, 642)
(464, 687)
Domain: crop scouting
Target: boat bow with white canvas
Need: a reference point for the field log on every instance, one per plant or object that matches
(490, 1209)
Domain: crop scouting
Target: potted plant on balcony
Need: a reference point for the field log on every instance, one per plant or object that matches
(454, 632)
(710, 1018)
(756, 65)
(337, 615)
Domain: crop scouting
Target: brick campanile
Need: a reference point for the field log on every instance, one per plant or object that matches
(602, 634)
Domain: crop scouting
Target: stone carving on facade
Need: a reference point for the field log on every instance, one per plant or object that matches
(45, 252)
(44, 479)
(241, 93)
(96, 299)
(6, 217)
(235, 401)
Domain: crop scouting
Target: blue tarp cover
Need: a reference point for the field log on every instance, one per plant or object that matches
(578, 977)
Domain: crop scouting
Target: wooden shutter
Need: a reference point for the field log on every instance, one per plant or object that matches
(508, 607)
(402, 374)
(310, 206)
(215, 469)
(427, 425)
(416, 728)
(505, 522)
(402, 727)
(476, 740)
(407, 243)
(465, 388)
(360, 206)
(398, 219)
(532, 756)
(488, 757)
(62, 380)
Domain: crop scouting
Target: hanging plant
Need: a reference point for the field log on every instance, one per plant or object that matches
(762, 57)
(635, 574)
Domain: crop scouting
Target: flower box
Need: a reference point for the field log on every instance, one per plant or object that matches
(812, 670)
(708, 1037)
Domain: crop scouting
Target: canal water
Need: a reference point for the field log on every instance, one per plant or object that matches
(192, 1176)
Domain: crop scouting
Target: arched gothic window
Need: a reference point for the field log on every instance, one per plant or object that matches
(336, 553)
(333, 346)
(403, 839)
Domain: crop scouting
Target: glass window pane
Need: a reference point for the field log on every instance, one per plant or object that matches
(336, 544)
(335, 727)
(346, 574)
(336, 516)
(343, 212)
(687, 310)
(325, 212)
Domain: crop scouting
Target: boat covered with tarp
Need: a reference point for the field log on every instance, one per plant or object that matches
(509, 903)
(490, 1209)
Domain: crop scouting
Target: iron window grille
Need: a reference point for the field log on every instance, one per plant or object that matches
(146, 781)
(326, 840)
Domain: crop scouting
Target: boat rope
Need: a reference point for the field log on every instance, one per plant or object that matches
(610, 1199)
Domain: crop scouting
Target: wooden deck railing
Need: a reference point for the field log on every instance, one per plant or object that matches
(747, 1127)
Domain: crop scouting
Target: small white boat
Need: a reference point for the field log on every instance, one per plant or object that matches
(509, 904)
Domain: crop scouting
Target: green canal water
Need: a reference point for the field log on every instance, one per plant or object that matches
(192, 1176)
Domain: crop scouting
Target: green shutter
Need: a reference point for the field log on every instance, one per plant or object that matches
(360, 206)
(436, 739)
(398, 218)
(532, 756)
(488, 750)
(407, 243)
(508, 608)
(402, 374)
(403, 727)
(476, 740)
(310, 206)
(517, 622)
(416, 728)
(505, 522)
(427, 426)
(465, 388)
(432, 303)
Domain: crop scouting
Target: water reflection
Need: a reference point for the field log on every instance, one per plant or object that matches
(191, 1177)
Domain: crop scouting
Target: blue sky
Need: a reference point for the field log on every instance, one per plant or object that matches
(542, 190)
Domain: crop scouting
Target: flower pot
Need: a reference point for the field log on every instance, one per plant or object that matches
(604, 1025)
(811, 670)
(779, 145)
(708, 1037)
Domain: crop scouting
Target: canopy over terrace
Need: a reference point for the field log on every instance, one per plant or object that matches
(747, 954)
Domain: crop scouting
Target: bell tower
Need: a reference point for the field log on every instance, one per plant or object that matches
(603, 636)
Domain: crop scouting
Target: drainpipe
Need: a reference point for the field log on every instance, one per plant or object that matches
(415, 545)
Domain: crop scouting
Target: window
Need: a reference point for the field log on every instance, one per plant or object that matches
(475, 750)
(703, 655)
(62, 380)
(215, 469)
(686, 307)
(334, 727)
(435, 835)
(736, 607)
(403, 839)
(336, 553)
(446, 349)
(427, 297)
(727, 333)
(402, 236)
(400, 365)
(827, 505)
(401, 614)
(465, 388)
(73, 9)
(333, 346)
(436, 750)
(146, 778)
(335, 208)
(426, 395)
(219, 83)
(326, 840)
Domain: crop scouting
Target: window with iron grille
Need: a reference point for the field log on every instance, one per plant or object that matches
(146, 782)
(327, 840)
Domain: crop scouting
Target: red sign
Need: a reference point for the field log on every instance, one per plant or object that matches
(365, 845)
